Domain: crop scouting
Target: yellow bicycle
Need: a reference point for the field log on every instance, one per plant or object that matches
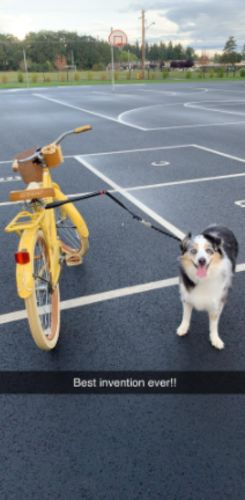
(48, 238)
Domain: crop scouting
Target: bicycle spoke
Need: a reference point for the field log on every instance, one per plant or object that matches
(67, 232)
(42, 287)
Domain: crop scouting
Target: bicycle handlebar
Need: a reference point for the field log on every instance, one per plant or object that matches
(83, 128)
(78, 130)
(36, 156)
(38, 153)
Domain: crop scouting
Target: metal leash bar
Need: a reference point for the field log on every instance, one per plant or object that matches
(56, 204)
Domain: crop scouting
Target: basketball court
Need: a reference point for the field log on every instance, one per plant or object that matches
(174, 154)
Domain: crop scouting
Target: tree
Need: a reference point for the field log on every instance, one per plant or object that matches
(178, 52)
(11, 52)
(45, 50)
(190, 54)
(229, 53)
(126, 56)
(230, 45)
(243, 53)
(170, 52)
(217, 59)
(154, 53)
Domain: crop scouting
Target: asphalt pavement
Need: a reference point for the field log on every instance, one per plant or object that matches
(174, 153)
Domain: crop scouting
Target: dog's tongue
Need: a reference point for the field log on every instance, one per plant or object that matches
(201, 271)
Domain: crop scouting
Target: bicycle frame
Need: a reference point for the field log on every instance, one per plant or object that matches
(45, 221)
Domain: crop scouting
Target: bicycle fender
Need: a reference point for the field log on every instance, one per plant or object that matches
(72, 211)
(24, 272)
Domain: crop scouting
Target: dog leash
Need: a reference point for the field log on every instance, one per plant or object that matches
(56, 204)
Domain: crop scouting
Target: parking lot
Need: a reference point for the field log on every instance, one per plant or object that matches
(175, 155)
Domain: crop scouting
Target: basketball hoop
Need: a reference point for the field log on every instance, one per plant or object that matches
(117, 38)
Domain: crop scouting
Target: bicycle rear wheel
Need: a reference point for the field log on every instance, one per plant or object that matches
(43, 306)
(69, 231)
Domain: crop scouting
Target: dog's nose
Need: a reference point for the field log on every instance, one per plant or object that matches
(202, 261)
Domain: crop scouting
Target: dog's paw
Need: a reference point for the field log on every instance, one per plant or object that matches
(182, 330)
(217, 343)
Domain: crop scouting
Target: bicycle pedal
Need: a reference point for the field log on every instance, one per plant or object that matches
(73, 260)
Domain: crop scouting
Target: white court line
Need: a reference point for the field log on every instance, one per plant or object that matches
(162, 184)
(94, 113)
(67, 157)
(149, 186)
(160, 148)
(68, 105)
(104, 296)
(151, 213)
(28, 89)
(219, 153)
(227, 90)
(138, 150)
(122, 96)
(195, 105)
(119, 120)
(164, 92)
(122, 119)
(7, 203)
(186, 181)
(202, 89)
(98, 297)
(123, 151)
(196, 125)
(178, 92)
(127, 85)
(240, 268)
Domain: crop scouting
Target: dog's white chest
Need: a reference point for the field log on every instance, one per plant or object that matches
(207, 294)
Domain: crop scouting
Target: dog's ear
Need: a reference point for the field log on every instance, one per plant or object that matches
(215, 241)
(185, 242)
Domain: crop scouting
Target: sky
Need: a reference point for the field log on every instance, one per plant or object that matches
(203, 24)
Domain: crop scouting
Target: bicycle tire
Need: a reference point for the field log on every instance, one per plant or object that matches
(69, 233)
(43, 305)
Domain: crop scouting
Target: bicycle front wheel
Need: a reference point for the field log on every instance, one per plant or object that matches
(43, 306)
(70, 229)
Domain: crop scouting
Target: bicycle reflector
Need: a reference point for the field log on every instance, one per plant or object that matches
(22, 257)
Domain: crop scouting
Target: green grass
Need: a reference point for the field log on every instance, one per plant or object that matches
(18, 79)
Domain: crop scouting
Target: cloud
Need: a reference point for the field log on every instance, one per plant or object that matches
(18, 26)
(203, 22)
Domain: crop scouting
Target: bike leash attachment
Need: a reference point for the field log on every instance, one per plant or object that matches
(56, 204)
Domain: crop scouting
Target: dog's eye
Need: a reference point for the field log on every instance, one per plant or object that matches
(210, 251)
(193, 251)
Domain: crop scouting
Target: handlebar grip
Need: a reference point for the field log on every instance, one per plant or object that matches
(84, 128)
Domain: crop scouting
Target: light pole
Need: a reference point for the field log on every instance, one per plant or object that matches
(26, 67)
(112, 66)
(143, 30)
(143, 44)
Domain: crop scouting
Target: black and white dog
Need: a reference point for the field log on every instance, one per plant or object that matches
(207, 265)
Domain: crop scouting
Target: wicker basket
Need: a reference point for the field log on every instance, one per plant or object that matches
(33, 172)
(29, 171)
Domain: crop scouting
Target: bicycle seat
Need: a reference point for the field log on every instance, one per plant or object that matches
(31, 194)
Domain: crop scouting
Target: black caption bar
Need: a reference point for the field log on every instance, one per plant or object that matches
(122, 382)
